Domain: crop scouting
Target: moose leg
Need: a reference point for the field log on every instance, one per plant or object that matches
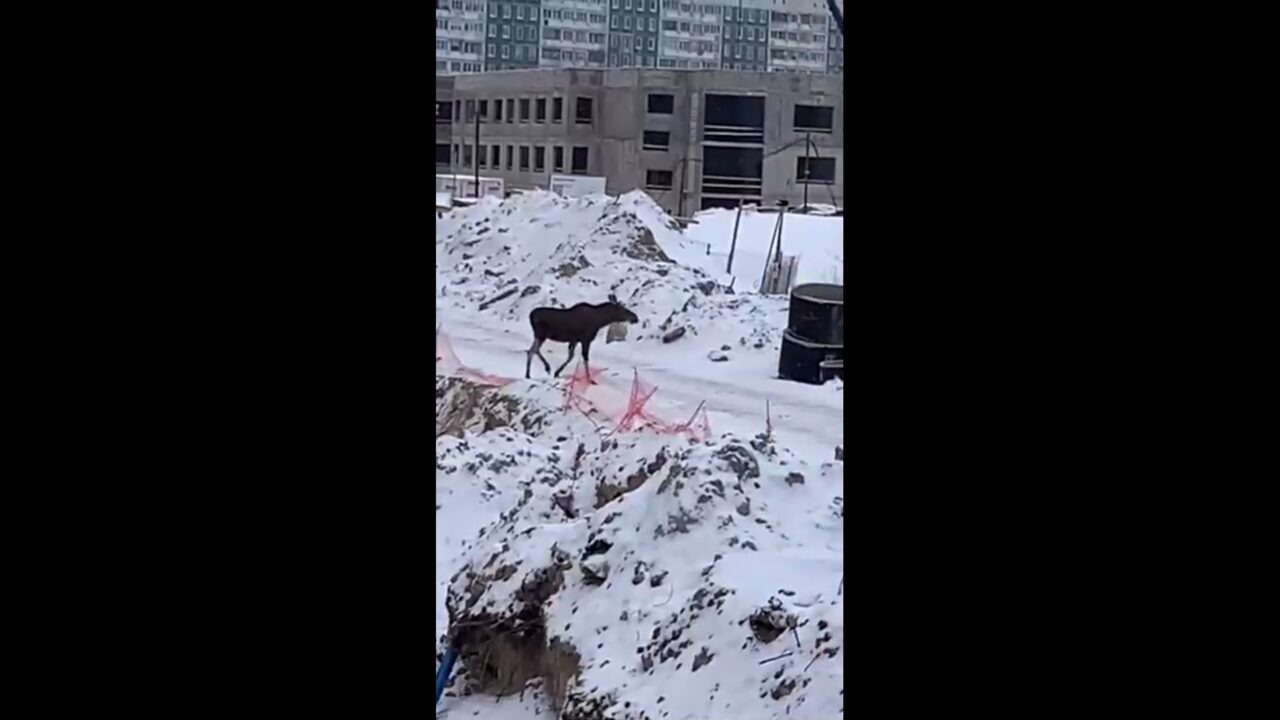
(528, 355)
(586, 360)
(572, 347)
(538, 351)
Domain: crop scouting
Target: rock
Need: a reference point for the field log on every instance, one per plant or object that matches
(717, 356)
(529, 291)
(795, 478)
(839, 453)
(594, 571)
(495, 299)
(726, 348)
(674, 335)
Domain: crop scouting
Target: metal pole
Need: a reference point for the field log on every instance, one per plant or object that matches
(477, 149)
(734, 243)
(782, 215)
(807, 170)
(684, 168)
(446, 668)
(768, 257)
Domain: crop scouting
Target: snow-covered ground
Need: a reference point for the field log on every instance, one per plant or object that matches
(817, 240)
(634, 575)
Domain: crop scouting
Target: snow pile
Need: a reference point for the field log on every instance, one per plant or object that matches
(639, 576)
(541, 249)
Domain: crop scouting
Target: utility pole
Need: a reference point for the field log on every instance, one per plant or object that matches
(733, 244)
(807, 170)
(684, 171)
(477, 149)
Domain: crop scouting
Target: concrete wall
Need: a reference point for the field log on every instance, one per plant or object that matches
(614, 138)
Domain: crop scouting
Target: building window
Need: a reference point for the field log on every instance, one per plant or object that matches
(497, 111)
(511, 110)
(657, 179)
(483, 109)
(506, 51)
(540, 110)
(456, 157)
(493, 31)
(497, 157)
(524, 109)
(443, 114)
(519, 12)
(493, 50)
(557, 110)
(557, 154)
(506, 12)
(482, 157)
(457, 111)
(582, 113)
(661, 104)
(656, 140)
(524, 157)
(466, 156)
(539, 158)
(818, 170)
(579, 162)
(442, 154)
(511, 156)
(812, 118)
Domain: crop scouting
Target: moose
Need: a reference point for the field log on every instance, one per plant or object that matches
(576, 325)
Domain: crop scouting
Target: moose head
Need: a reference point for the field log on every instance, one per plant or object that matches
(620, 313)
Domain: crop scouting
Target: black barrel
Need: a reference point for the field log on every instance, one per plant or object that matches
(800, 359)
(817, 313)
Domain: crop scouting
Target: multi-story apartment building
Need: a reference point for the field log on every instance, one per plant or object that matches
(691, 139)
(460, 28)
(574, 33)
(758, 35)
(798, 40)
(513, 37)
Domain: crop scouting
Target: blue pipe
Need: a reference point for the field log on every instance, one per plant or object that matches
(446, 669)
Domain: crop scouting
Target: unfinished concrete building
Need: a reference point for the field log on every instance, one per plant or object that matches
(692, 139)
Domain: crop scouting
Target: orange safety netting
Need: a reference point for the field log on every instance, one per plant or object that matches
(635, 415)
(447, 362)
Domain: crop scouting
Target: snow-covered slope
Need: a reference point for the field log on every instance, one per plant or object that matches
(507, 257)
(637, 577)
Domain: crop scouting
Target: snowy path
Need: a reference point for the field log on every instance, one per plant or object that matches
(804, 417)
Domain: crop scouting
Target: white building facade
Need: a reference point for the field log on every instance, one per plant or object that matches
(754, 35)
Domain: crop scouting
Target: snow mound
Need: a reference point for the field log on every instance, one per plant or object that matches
(541, 249)
(643, 576)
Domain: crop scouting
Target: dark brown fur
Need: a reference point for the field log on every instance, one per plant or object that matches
(576, 325)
